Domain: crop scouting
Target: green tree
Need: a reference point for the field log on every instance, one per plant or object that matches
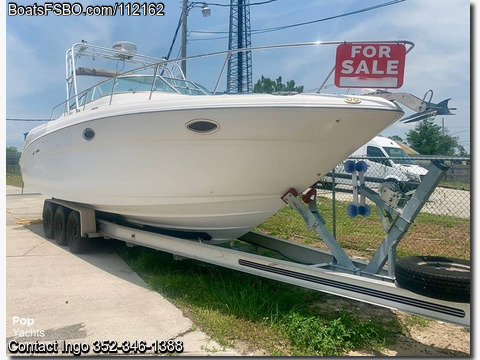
(13, 155)
(396, 138)
(267, 86)
(427, 139)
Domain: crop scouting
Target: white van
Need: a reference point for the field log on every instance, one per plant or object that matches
(388, 162)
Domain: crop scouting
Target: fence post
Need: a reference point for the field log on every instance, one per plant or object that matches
(334, 212)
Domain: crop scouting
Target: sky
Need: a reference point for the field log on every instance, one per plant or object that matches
(36, 45)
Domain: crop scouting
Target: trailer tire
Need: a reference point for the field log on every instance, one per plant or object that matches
(436, 277)
(76, 242)
(60, 225)
(47, 215)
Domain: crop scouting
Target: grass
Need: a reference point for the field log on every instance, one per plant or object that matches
(14, 179)
(234, 307)
(414, 321)
(430, 234)
(455, 185)
(320, 337)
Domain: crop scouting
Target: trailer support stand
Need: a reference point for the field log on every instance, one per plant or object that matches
(399, 226)
(315, 221)
(387, 250)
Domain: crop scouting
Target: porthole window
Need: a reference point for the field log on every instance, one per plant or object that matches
(88, 134)
(202, 126)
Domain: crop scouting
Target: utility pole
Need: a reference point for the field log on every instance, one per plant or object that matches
(186, 7)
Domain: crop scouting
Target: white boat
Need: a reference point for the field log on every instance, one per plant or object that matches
(162, 151)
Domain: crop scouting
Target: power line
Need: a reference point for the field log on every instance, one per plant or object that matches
(210, 4)
(261, 31)
(210, 38)
(174, 37)
(329, 18)
(251, 4)
(16, 119)
(459, 132)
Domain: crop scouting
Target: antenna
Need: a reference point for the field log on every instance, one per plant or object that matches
(239, 74)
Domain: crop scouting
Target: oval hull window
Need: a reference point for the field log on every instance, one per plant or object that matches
(88, 134)
(202, 126)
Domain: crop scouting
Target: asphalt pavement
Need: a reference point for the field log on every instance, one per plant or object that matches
(83, 303)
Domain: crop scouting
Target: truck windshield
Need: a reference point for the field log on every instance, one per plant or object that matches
(400, 156)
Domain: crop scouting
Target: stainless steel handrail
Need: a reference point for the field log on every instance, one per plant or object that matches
(151, 62)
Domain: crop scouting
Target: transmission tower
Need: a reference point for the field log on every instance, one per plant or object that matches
(239, 75)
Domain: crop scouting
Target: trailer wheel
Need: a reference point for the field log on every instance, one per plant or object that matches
(60, 225)
(47, 215)
(434, 276)
(76, 242)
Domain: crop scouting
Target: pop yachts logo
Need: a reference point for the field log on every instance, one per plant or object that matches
(23, 327)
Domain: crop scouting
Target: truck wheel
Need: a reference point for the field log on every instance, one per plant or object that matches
(392, 184)
(47, 215)
(324, 185)
(436, 277)
(76, 242)
(60, 225)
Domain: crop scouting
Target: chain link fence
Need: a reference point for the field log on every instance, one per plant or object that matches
(14, 175)
(441, 229)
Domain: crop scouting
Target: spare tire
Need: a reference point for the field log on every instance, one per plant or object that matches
(436, 277)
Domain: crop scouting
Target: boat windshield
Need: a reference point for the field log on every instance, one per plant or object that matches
(186, 87)
(138, 83)
(400, 156)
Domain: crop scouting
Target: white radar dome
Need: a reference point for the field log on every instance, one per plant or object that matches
(126, 49)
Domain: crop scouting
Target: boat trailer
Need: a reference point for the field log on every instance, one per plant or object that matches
(332, 272)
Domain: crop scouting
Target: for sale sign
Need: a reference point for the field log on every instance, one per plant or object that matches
(370, 65)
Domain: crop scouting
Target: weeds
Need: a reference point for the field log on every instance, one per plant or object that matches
(414, 321)
(235, 307)
(313, 336)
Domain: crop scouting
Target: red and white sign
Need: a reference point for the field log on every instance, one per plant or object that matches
(370, 65)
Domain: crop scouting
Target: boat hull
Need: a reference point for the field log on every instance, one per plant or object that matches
(147, 166)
